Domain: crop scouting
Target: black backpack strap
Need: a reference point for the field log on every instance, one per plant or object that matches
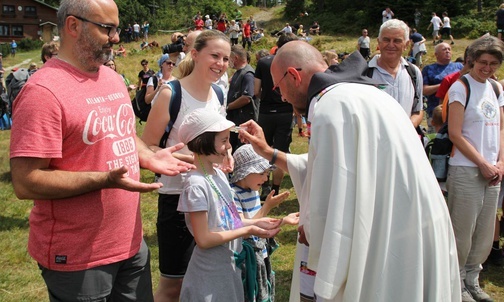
(411, 71)
(173, 108)
(369, 72)
(464, 81)
(495, 87)
(155, 81)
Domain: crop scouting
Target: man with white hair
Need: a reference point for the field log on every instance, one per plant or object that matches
(391, 69)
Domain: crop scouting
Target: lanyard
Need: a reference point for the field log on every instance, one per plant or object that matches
(232, 208)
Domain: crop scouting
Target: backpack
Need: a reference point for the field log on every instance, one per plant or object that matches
(15, 82)
(411, 72)
(140, 107)
(440, 147)
(174, 107)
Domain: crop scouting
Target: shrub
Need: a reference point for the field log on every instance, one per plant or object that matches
(472, 27)
(29, 44)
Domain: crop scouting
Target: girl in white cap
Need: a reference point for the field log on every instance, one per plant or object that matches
(207, 63)
(211, 215)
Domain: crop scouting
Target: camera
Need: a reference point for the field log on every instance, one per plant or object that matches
(177, 46)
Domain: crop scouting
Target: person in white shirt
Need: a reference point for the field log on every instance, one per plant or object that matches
(286, 30)
(446, 30)
(387, 14)
(436, 24)
(476, 165)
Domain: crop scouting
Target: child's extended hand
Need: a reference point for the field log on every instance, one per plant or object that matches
(273, 227)
(267, 223)
(292, 219)
(273, 201)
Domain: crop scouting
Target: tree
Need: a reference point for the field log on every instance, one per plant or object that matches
(131, 11)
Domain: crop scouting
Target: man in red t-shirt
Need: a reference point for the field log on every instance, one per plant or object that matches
(247, 35)
(79, 160)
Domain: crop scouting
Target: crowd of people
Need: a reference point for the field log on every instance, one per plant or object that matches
(373, 223)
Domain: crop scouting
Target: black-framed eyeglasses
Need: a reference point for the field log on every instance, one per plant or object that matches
(275, 88)
(112, 30)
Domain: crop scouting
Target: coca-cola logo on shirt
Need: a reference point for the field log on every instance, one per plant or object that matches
(102, 124)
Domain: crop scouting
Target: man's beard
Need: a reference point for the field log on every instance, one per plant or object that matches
(92, 55)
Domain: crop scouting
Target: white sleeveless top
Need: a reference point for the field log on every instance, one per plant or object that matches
(173, 184)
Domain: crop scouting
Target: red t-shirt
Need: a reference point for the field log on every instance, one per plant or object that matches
(199, 24)
(81, 122)
(246, 30)
(221, 25)
(446, 83)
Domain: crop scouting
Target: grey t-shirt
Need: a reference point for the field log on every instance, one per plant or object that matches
(211, 274)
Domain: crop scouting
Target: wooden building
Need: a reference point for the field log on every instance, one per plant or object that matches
(31, 19)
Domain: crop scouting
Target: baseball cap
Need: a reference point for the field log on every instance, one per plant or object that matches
(200, 121)
(247, 161)
(163, 58)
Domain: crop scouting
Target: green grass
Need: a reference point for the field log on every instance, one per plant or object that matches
(20, 279)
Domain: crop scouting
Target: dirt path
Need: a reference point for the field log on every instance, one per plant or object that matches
(264, 15)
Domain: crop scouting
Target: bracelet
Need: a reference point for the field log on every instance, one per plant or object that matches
(273, 159)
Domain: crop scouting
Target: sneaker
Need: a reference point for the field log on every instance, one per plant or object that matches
(478, 294)
(466, 296)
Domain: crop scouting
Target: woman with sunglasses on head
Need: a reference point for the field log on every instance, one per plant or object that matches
(163, 77)
(204, 65)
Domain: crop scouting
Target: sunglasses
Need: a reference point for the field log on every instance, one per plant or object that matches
(111, 30)
(145, 64)
(169, 63)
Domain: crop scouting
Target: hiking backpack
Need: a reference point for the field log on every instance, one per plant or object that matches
(440, 147)
(15, 82)
(174, 107)
(140, 107)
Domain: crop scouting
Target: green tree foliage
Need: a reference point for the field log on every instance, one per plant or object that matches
(350, 16)
(131, 11)
(294, 7)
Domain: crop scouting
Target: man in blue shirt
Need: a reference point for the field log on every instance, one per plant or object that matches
(434, 73)
(13, 46)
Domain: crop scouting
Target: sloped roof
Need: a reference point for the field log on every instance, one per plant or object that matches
(45, 4)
